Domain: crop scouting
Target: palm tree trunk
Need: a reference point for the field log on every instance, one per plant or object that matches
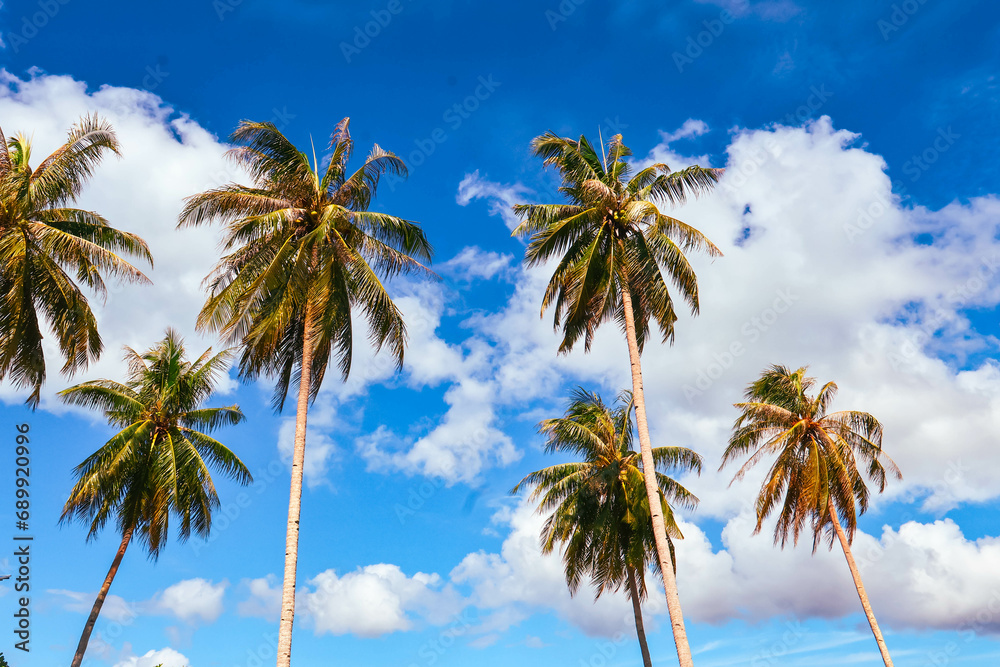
(883, 649)
(81, 648)
(640, 631)
(295, 499)
(652, 490)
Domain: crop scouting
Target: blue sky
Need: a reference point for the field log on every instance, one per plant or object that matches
(860, 143)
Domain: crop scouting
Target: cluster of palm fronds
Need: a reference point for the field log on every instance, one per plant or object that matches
(304, 254)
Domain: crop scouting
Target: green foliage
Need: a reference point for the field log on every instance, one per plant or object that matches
(816, 454)
(611, 239)
(304, 248)
(43, 244)
(158, 463)
(599, 507)
(3, 661)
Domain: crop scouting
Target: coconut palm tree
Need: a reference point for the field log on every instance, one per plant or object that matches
(158, 462)
(303, 253)
(612, 245)
(815, 474)
(44, 244)
(599, 510)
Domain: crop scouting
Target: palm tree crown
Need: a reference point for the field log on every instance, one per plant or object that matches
(598, 505)
(43, 242)
(611, 239)
(303, 246)
(817, 454)
(158, 463)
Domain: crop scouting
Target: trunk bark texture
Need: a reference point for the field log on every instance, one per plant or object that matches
(652, 491)
(295, 499)
(883, 649)
(99, 602)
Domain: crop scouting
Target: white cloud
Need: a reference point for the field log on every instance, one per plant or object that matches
(519, 581)
(473, 263)
(466, 440)
(690, 129)
(168, 657)
(193, 600)
(114, 609)
(375, 600)
(166, 157)
(921, 577)
(500, 197)
(264, 600)
(818, 268)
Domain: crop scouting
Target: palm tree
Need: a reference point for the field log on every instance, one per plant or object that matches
(599, 509)
(816, 469)
(157, 464)
(303, 252)
(612, 244)
(43, 243)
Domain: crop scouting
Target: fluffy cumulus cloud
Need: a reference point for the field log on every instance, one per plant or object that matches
(509, 586)
(167, 657)
(500, 197)
(375, 600)
(193, 600)
(824, 266)
(467, 439)
(165, 157)
(264, 599)
(476, 264)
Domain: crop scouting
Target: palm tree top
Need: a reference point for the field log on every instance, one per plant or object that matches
(611, 235)
(158, 462)
(817, 453)
(48, 249)
(301, 237)
(598, 505)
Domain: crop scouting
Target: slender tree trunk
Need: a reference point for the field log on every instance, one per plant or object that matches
(640, 631)
(652, 490)
(883, 649)
(295, 499)
(99, 602)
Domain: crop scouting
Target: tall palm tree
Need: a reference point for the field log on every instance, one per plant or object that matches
(304, 251)
(613, 245)
(598, 506)
(158, 463)
(816, 465)
(43, 243)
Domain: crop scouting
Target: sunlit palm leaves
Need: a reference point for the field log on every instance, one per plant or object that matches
(48, 250)
(157, 465)
(301, 245)
(611, 238)
(599, 511)
(816, 454)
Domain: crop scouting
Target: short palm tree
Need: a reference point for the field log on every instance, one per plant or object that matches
(815, 474)
(612, 244)
(44, 244)
(304, 253)
(158, 463)
(599, 510)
